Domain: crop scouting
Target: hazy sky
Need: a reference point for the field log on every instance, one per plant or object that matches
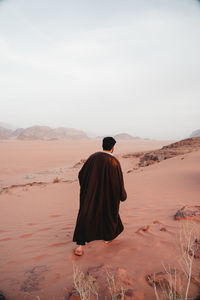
(104, 66)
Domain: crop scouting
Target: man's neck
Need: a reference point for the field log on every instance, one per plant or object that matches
(107, 151)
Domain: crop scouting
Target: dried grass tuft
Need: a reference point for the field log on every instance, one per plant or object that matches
(56, 180)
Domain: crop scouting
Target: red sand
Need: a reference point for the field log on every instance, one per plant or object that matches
(37, 222)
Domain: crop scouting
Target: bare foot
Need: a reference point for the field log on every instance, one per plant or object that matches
(79, 251)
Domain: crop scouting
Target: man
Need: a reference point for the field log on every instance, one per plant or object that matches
(101, 190)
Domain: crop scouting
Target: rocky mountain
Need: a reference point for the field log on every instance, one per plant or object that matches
(5, 133)
(47, 133)
(62, 132)
(195, 133)
(18, 132)
(125, 136)
(41, 133)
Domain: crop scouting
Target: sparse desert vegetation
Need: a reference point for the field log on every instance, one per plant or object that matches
(56, 180)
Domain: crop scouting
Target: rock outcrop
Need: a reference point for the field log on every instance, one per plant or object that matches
(195, 133)
(172, 150)
(188, 212)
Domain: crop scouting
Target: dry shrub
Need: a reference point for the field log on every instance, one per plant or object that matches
(115, 292)
(178, 284)
(87, 288)
(5, 191)
(84, 284)
(56, 180)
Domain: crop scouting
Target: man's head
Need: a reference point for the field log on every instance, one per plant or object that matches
(108, 143)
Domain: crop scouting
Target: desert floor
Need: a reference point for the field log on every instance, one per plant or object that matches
(37, 221)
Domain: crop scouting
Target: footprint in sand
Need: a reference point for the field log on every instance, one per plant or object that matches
(163, 229)
(143, 229)
(156, 222)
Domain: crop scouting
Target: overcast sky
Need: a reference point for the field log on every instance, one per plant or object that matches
(104, 66)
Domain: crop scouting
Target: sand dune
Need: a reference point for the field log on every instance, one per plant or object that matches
(37, 222)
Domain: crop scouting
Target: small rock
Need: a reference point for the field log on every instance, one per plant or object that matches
(188, 212)
(74, 297)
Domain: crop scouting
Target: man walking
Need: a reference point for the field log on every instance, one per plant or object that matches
(101, 190)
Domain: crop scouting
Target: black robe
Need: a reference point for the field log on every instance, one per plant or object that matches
(101, 190)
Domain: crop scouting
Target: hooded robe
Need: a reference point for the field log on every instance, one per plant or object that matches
(101, 190)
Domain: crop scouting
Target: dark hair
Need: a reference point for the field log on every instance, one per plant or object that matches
(108, 143)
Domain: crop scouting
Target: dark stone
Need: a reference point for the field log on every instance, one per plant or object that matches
(187, 212)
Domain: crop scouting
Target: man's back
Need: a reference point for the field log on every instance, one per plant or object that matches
(101, 190)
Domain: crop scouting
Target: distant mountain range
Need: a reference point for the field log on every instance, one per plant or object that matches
(41, 133)
(121, 136)
(5, 133)
(37, 132)
(125, 136)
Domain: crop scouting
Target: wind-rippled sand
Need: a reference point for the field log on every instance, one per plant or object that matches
(37, 221)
